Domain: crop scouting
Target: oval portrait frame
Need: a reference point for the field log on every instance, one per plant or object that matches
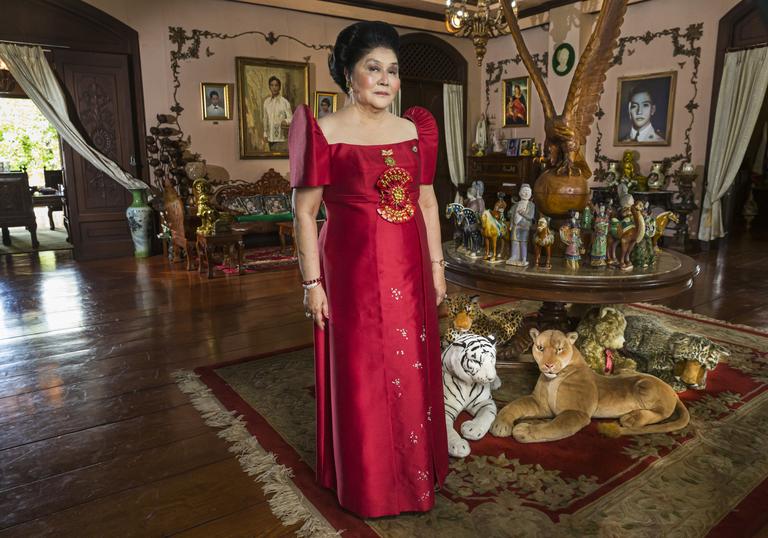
(571, 59)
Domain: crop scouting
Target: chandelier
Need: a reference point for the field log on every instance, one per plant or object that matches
(480, 22)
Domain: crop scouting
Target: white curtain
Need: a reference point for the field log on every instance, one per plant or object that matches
(742, 90)
(394, 106)
(453, 109)
(32, 72)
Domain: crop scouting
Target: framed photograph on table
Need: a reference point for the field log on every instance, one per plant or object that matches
(515, 93)
(325, 103)
(215, 101)
(269, 91)
(644, 110)
(526, 144)
(513, 147)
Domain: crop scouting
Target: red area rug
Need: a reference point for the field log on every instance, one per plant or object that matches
(709, 479)
(262, 259)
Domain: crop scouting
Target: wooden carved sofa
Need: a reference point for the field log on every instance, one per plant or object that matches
(227, 193)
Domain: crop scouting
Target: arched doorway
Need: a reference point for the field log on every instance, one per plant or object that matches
(426, 63)
(96, 58)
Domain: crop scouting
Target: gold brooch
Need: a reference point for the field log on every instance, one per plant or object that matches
(394, 198)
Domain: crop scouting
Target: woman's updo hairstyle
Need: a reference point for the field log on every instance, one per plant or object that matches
(354, 42)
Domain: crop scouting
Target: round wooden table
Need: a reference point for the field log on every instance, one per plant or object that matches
(672, 274)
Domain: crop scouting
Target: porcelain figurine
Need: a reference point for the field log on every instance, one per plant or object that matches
(571, 236)
(543, 239)
(612, 175)
(656, 178)
(475, 200)
(520, 219)
(599, 249)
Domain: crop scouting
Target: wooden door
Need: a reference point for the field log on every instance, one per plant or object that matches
(429, 94)
(99, 91)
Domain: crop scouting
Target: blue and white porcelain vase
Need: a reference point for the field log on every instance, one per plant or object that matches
(139, 216)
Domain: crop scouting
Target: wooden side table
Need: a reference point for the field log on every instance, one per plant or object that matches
(207, 243)
(285, 229)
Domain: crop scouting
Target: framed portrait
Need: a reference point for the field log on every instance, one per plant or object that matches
(513, 147)
(515, 98)
(563, 59)
(644, 110)
(325, 103)
(215, 101)
(269, 91)
(526, 144)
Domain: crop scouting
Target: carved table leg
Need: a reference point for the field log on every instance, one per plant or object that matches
(33, 232)
(552, 315)
(240, 246)
(50, 217)
(209, 260)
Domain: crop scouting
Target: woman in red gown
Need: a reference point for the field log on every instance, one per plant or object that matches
(372, 283)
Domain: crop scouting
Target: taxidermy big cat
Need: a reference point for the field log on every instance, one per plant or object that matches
(572, 393)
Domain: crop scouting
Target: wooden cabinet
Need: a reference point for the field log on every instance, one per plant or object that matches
(501, 174)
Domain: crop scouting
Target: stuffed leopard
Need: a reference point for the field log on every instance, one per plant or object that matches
(502, 324)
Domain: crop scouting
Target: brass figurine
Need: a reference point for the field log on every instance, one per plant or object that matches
(207, 213)
(567, 133)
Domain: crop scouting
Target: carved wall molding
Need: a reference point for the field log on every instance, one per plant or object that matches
(495, 72)
(685, 44)
(188, 45)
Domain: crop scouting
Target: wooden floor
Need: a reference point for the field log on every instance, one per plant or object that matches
(95, 438)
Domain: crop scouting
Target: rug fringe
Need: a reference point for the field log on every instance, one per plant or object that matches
(285, 500)
(702, 317)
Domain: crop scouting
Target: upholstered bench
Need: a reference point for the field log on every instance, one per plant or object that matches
(257, 206)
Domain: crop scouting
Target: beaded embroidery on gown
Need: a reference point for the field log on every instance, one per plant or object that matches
(381, 438)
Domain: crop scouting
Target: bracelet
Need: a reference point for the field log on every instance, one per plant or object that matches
(309, 284)
(440, 262)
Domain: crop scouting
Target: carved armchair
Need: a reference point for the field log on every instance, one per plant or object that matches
(16, 207)
(183, 236)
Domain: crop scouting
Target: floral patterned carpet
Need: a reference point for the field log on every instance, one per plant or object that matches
(708, 479)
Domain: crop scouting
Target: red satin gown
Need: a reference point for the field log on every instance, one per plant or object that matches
(381, 439)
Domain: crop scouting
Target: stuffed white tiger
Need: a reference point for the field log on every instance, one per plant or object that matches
(469, 375)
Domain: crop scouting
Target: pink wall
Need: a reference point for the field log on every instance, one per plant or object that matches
(218, 142)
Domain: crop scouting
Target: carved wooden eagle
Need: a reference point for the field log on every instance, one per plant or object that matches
(567, 133)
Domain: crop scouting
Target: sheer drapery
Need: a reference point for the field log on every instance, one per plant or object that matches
(394, 106)
(453, 108)
(30, 69)
(742, 90)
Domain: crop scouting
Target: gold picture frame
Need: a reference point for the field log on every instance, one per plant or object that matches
(216, 101)
(320, 98)
(654, 90)
(264, 131)
(516, 110)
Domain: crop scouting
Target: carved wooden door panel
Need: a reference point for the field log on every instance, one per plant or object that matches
(100, 93)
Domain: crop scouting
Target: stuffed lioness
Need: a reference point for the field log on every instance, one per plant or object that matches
(572, 393)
